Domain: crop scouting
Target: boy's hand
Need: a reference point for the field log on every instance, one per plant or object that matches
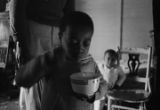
(91, 99)
(82, 97)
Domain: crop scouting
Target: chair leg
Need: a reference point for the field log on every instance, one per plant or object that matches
(141, 106)
(144, 106)
(97, 105)
(109, 104)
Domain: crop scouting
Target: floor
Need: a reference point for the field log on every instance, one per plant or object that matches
(8, 93)
(9, 105)
(9, 99)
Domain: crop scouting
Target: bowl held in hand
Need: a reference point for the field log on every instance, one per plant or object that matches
(85, 83)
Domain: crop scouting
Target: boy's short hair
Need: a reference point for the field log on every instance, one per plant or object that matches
(112, 53)
(77, 19)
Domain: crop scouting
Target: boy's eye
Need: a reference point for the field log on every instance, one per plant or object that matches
(86, 43)
(74, 41)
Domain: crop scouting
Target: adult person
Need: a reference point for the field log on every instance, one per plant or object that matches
(34, 25)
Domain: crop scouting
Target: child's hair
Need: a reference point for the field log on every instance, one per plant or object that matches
(77, 19)
(112, 53)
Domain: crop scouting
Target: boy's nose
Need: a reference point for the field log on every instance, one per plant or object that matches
(79, 46)
(82, 50)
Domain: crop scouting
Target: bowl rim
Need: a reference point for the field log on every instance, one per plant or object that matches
(74, 77)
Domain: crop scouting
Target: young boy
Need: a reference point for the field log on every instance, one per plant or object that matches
(111, 71)
(55, 67)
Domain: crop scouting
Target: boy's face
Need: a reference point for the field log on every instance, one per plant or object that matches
(109, 60)
(75, 43)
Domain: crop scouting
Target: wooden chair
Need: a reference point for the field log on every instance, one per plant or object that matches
(136, 89)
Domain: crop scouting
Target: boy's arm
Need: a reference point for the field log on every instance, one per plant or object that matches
(121, 77)
(103, 87)
(102, 91)
(70, 6)
(34, 70)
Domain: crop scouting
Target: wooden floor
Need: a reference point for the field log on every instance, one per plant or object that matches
(9, 104)
(8, 93)
(9, 99)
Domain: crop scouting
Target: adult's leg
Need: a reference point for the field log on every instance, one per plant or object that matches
(40, 39)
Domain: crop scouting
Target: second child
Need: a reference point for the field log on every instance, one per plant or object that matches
(111, 70)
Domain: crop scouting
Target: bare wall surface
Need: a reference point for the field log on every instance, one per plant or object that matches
(138, 21)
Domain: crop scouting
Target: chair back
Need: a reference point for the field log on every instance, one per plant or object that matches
(136, 63)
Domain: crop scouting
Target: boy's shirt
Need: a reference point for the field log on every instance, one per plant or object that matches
(113, 76)
(56, 70)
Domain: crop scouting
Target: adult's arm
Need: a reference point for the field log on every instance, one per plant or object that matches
(30, 73)
(70, 6)
(18, 17)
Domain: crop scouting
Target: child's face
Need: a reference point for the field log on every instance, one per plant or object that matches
(76, 43)
(110, 61)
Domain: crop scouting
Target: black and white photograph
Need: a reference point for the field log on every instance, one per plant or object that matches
(79, 54)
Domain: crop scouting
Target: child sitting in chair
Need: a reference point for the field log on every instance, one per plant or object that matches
(111, 70)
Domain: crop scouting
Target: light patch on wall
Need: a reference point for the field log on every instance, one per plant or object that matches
(138, 22)
(4, 31)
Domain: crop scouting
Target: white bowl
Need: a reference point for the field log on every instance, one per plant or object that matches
(85, 83)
